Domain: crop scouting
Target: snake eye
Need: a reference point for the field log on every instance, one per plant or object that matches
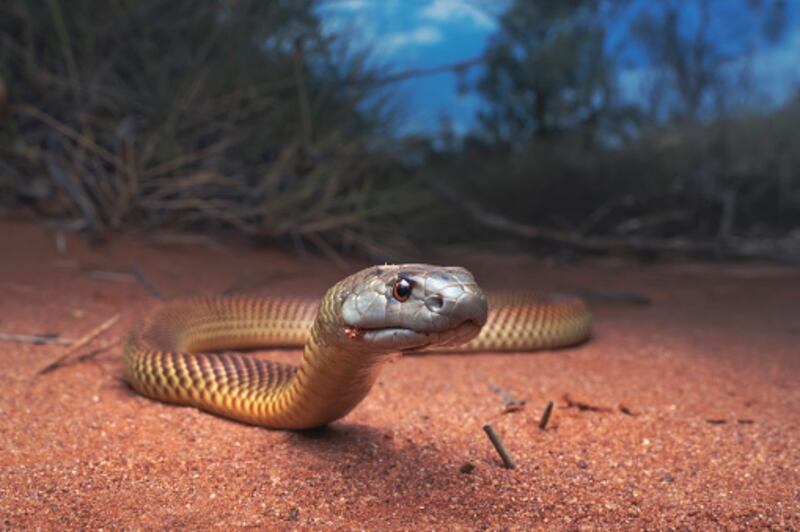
(401, 289)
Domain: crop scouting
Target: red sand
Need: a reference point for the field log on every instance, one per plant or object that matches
(697, 421)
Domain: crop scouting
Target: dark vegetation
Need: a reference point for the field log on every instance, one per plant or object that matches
(245, 115)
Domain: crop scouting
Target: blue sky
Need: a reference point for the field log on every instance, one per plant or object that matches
(404, 34)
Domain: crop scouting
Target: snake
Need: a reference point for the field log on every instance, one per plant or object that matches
(190, 351)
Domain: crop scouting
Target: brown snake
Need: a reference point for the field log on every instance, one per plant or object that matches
(347, 335)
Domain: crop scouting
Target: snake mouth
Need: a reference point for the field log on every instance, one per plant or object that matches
(406, 339)
(463, 333)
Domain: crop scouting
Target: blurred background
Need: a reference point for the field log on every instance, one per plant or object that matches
(659, 128)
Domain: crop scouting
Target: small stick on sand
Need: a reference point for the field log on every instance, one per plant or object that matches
(79, 343)
(546, 415)
(145, 283)
(102, 349)
(509, 403)
(508, 463)
(584, 406)
(37, 339)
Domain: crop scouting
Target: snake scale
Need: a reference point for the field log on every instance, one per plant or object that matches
(180, 353)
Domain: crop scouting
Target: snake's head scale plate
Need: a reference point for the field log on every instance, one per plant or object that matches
(411, 306)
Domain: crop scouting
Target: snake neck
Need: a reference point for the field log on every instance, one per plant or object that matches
(329, 383)
(335, 373)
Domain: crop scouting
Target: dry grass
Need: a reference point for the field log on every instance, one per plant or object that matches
(731, 185)
(147, 114)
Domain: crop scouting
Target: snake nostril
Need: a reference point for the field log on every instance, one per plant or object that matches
(435, 302)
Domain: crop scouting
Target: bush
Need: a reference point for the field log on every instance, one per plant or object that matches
(214, 114)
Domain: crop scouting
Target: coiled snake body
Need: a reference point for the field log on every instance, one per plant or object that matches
(347, 335)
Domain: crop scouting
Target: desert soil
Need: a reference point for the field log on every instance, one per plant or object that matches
(684, 412)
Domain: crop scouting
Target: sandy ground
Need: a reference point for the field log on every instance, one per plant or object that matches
(682, 413)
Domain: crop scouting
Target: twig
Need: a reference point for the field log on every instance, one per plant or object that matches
(226, 211)
(508, 463)
(509, 403)
(72, 134)
(327, 250)
(546, 415)
(79, 343)
(147, 285)
(102, 349)
(131, 274)
(583, 406)
(84, 357)
(72, 186)
(183, 160)
(88, 356)
(419, 72)
(37, 339)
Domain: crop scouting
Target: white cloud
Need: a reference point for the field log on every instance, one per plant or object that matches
(424, 35)
(452, 10)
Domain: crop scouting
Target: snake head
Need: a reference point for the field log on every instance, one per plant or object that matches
(410, 306)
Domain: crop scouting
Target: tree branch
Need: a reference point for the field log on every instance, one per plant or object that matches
(744, 249)
(430, 71)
